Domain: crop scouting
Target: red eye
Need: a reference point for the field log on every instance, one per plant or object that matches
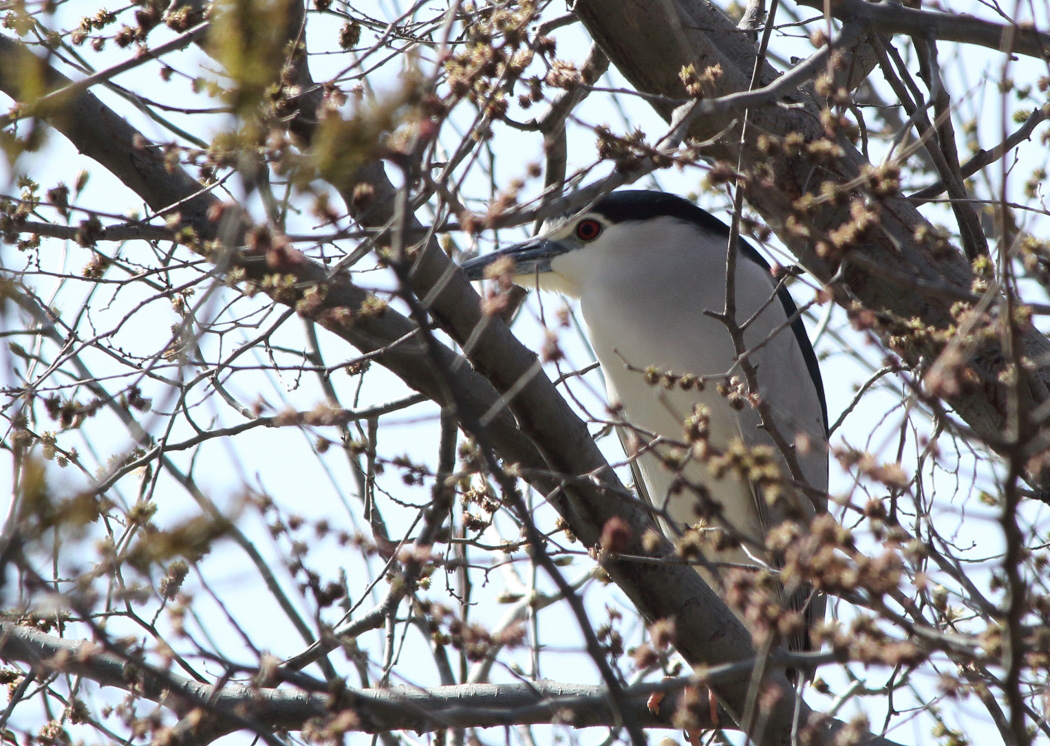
(588, 230)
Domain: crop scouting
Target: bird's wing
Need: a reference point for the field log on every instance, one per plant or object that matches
(804, 599)
(623, 433)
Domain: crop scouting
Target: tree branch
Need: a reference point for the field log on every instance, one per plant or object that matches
(375, 710)
(893, 18)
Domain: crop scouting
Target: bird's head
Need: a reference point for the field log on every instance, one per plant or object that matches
(551, 260)
(574, 248)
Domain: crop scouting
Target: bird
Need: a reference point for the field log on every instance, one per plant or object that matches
(648, 269)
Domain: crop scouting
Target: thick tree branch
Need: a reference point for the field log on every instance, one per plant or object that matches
(893, 18)
(374, 710)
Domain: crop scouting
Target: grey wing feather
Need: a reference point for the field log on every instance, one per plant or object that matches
(636, 472)
(804, 599)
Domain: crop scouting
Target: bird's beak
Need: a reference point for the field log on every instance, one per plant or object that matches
(532, 257)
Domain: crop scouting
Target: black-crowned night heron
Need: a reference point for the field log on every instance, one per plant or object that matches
(649, 270)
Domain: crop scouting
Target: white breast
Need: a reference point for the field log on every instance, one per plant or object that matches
(653, 314)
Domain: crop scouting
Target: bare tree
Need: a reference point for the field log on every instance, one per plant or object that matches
(277, 469)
